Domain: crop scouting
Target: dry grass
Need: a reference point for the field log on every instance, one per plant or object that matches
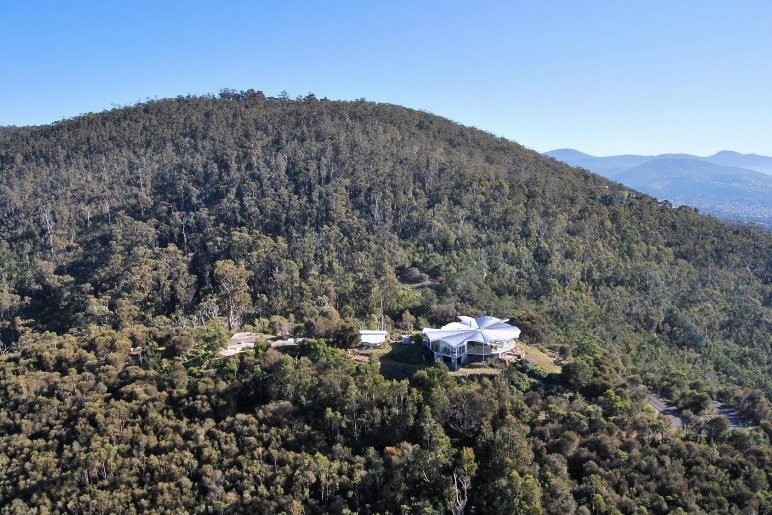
(539, 359)
(475, 371)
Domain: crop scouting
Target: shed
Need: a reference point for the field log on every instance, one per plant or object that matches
(372, 338)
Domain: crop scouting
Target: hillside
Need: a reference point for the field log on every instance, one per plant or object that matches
(726, 192)
(610, 165)
(756, 162)
(605, 166)
(728, 185)
(131, 240)
(323, 203)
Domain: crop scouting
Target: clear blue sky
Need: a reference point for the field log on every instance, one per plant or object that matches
(604, 77)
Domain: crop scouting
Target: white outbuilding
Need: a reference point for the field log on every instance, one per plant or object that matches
(372, 338)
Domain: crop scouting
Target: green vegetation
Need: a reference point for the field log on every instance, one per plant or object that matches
(88, 427)
(415, 355)
(130, 239)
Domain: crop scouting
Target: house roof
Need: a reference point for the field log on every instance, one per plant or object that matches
(484, 329)
(372, 336)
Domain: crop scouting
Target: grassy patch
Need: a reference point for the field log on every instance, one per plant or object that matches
(476, 371)
(539, 359)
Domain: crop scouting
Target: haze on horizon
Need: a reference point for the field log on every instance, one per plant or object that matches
(651, 78)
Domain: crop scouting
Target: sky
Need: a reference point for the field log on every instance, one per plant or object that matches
(603, 77)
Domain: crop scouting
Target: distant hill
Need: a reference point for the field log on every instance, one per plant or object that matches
(751, 161)
(606, 166)
(729, 185)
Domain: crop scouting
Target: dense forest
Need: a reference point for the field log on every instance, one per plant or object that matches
(132, 241)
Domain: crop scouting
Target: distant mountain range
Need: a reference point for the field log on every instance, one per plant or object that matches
(728, 185)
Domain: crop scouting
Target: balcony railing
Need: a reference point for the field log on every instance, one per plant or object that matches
(452, 352)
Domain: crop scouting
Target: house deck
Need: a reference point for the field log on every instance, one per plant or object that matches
(494, 349)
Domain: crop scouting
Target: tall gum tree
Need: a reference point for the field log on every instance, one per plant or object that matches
(233, 290)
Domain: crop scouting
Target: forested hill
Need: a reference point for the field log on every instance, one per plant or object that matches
(120, 217)
(129, 237)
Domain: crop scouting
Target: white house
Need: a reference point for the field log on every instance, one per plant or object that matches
(482, 336)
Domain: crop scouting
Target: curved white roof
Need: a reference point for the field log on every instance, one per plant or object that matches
(484, 329)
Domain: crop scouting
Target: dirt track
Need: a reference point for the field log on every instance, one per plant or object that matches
(736, 420)
(673, 413)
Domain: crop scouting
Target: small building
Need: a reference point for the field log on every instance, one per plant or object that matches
(238, 343)
(372, 338)
(480, 337)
